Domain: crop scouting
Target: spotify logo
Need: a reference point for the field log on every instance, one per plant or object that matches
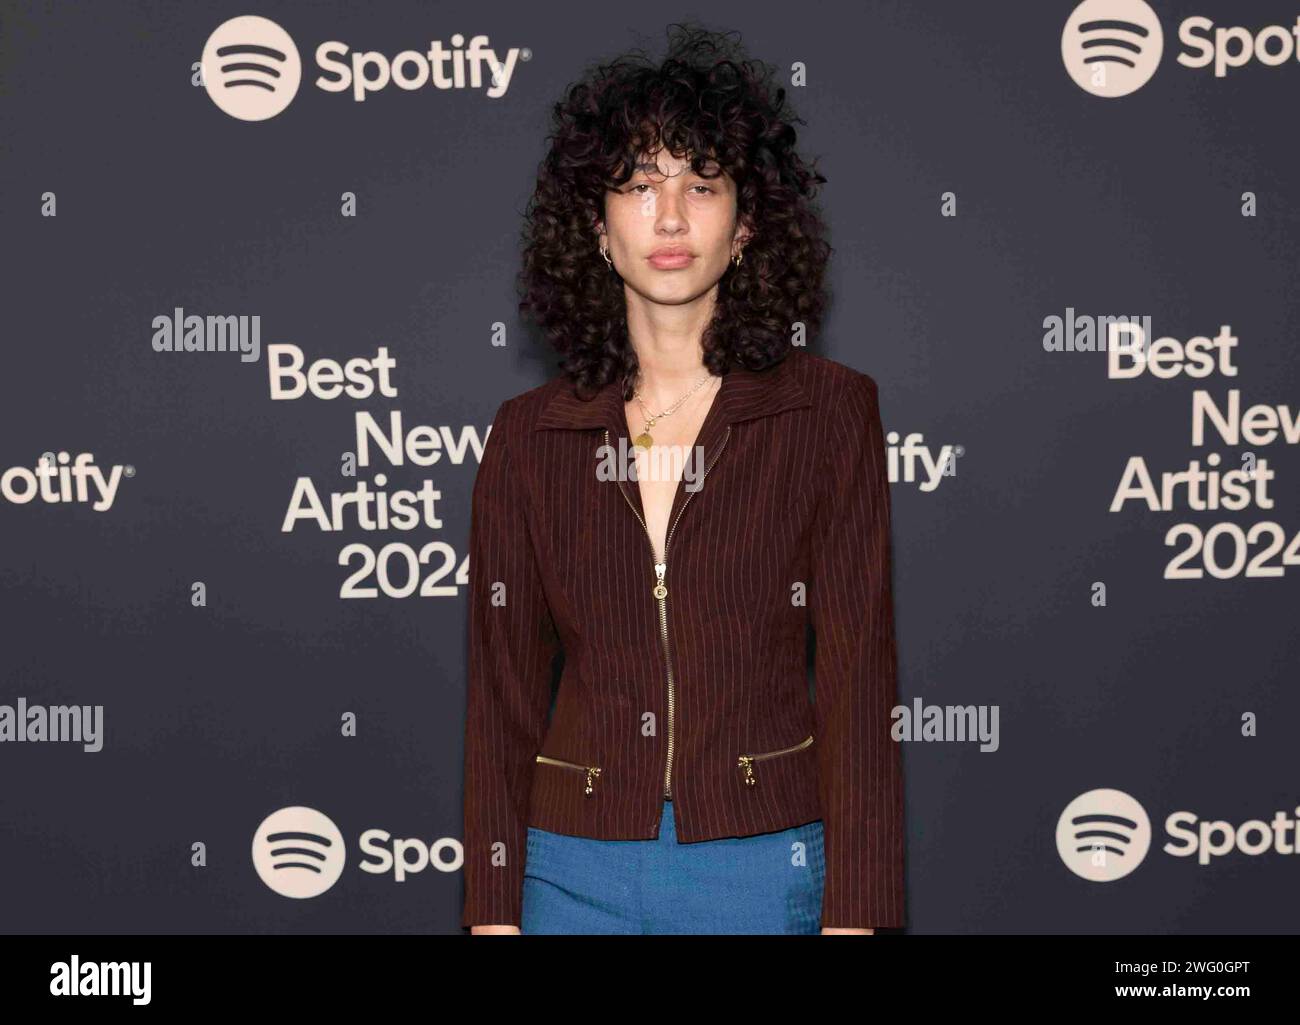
(298, 852)
(1103, 835)
(1112, 47)
(251, 68)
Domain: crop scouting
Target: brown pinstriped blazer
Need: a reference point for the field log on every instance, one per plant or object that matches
(699, 692)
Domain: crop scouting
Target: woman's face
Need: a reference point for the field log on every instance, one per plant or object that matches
(670, 232)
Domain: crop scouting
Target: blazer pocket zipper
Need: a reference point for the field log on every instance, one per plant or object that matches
(592, 771)
(746, 762)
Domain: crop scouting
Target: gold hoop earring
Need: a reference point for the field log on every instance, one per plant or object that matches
(738, 257)
(605, 253)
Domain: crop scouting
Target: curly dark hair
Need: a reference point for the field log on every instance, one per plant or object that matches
(707, 100)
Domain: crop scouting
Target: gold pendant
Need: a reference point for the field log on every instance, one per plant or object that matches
(644, 440)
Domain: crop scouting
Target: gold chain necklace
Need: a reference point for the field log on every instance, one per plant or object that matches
(644, 439)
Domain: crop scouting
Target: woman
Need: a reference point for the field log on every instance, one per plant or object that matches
(672, 513)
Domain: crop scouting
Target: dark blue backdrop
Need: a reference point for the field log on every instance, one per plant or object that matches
(975, 192)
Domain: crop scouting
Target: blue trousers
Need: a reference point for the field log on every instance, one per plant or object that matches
(769, 883)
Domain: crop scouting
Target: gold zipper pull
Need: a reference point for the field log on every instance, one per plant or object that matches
(592, 771)
(661, 591)
(747, 763)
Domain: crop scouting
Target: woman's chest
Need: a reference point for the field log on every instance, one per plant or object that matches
(726, 528)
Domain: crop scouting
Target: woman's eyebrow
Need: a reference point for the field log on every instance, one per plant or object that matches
(651, 169)
(687, 169)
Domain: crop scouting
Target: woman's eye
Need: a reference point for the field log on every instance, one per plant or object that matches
(643, 185)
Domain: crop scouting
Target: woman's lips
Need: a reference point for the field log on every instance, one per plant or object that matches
(670, 261)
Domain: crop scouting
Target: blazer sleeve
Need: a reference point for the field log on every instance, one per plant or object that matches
(855, 668)
(512, 643)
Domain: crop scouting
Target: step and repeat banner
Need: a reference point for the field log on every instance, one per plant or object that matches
(254, 339)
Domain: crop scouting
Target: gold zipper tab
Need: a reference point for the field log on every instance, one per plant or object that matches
(746, 762)
(660, 591)
(592, 771)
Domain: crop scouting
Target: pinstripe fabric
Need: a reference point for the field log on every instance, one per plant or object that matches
(789, 528)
